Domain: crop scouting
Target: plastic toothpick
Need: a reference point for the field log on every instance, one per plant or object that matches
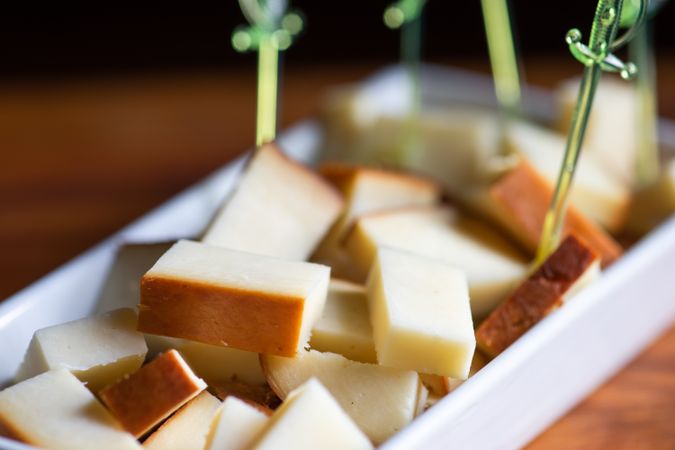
(596, 57)
(641, 50)
(271, 30)
(502, 49)
(407, 15)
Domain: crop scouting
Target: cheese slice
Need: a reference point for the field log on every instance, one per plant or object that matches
(217, 364)
(152, 393)
(368, 189)
(492, 265)
(380, 400)
(611, 133)
(597, 192)
(280, 208)
(122, 286)
(344, 326)
(98, 350)
(518, 202)
(419, 308)
(311, 419)
(652, 204)
(54, 410)
(235, 426)
(572, 266)
(225, 297)
(188, 429)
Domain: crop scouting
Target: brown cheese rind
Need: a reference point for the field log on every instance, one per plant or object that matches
(523, 197)
(536, 297)
(247, 320)
(146, 397)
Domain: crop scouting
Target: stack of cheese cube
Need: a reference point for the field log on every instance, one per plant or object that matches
(318, 310)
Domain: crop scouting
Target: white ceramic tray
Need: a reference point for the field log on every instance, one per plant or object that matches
(510, 401)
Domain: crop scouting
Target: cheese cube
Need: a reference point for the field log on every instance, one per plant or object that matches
(419, 308)
(380, 400)
(654, 203)
(596, 191)
(280, 208)
(310, 419)
(492, 265)
(146, 397)
(98, 350)
(122, 285)
(235, 426)
(54, 410)
(217, 364)
(188, 429)
(565, 271)
(368, 189)
(612, 133)
(344, 326)
(518, 202)
(226, 297)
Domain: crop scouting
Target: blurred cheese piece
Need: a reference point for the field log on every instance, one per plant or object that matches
(595, 191)
(235, 426)
(380, 400)
(572, 266)
(311, 419)
(369, 125)
(280, 208)
(611, 134)
(653, 204)
(55, 411)
(493, 266)
(122, 286)
(217, 364)
(421, 317)
(152, 393)
(441, 386)
(368, 189)
(188, 429)
(518, 202)
(98, 350)
(344, 326)
(225, 297)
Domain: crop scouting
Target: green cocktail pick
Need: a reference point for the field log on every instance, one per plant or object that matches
(407, 15)
(596, 57)
(641, 50)
(271, 30)
(503, 60)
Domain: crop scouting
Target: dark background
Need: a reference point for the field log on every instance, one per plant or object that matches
(58, 40)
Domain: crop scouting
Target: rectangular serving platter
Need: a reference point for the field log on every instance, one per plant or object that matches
(510, 401)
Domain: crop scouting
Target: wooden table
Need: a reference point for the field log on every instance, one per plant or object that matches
(80, 159)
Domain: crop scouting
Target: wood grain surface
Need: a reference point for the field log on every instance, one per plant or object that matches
(82, 158)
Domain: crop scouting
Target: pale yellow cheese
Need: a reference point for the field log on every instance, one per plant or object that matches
(55, 411)
(311, 419)
(188, 428)
(419, 308)
(280, 208)
(368, 189)
(492, 264)
(226, 297)
(344, 326)
(597, 192)
(98, 350)
(235, 426)
(611, 134)
(218, 364)
(380, 400)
